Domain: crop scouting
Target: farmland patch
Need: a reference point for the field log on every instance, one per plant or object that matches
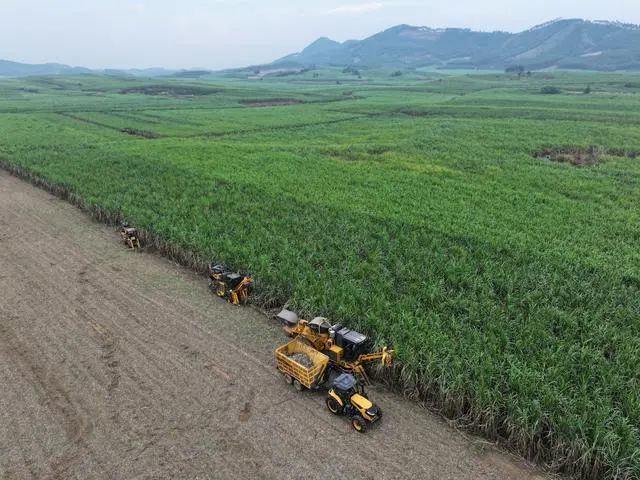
(140, 133)
(171, 90)
(582, 157)
(270, 102)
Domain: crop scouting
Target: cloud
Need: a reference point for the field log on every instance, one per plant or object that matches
(355, 8)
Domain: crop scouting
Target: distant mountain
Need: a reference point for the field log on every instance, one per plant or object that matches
(572, 43)
(15, 69)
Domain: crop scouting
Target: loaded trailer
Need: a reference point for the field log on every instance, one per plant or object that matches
(303, 366)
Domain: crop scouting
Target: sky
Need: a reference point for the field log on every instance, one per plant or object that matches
(216, 34)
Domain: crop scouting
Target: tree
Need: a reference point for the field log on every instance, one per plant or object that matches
(397, 73)
(587, 90)
(517, 69)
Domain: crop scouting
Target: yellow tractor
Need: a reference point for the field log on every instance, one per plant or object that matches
(234, 286)
(347, 349)
(347, 397)
(129, 236)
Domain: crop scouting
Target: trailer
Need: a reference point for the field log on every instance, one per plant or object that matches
(312, 374)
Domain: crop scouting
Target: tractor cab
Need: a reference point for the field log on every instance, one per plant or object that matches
(232, 279)
(319, 325)
(215, 269)
(346, 385)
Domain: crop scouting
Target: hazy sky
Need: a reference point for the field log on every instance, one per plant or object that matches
(227, 33)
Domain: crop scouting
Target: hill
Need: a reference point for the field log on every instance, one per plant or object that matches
(572, 44)
(16, 69)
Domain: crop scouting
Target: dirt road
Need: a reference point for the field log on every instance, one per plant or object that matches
(117, 364)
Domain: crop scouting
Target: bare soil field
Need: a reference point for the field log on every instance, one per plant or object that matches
(119, 364)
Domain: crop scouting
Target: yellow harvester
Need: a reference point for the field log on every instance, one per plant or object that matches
(347, 349)
(234, 286)
(129, 236)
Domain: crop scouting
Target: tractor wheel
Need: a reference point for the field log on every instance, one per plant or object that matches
(298, 386)
(334, 406)
(288, 378)
(359, 424)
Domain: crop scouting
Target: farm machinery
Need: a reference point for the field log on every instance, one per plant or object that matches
(347, 350)
(129, 236)
(347, 397)
(302, 365)
(305, 367)
(234, 286)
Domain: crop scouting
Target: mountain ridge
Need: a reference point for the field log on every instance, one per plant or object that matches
(560, 43)
(16, 69)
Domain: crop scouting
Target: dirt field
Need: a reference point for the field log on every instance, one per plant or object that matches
(117, 364)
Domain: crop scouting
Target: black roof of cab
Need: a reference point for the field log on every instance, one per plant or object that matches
(345, 381)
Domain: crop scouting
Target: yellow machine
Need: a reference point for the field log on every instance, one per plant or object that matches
(234, 286)
(347, 397)
(346, 349)
(129, 236)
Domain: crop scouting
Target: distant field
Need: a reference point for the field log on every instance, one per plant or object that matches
(489, 231)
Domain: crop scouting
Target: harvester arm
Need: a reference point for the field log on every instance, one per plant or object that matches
(385, 357)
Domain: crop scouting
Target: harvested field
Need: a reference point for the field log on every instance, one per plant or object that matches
(119, 364)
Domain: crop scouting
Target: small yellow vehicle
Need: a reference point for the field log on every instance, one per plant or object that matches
(234, 286)
(347, 397)
(129, 236)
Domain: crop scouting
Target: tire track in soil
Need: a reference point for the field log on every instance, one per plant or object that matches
(77, 309)
(54, 397)
(81, 311)
(147, 375)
